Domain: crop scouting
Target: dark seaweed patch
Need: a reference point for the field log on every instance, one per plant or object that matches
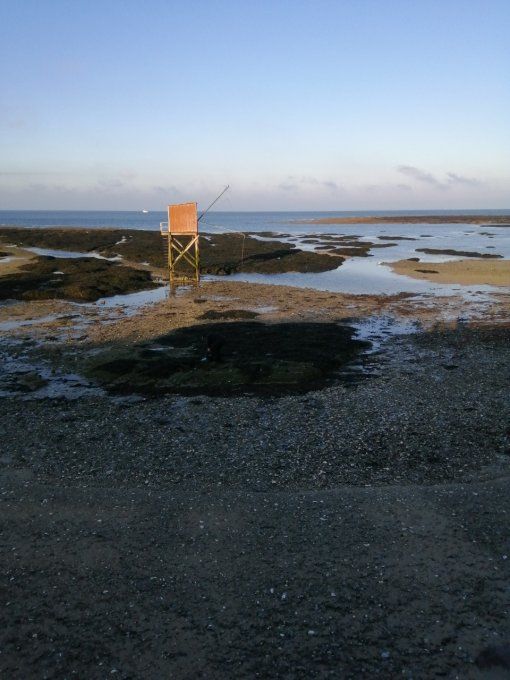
(462, 253)
(82, 279)
(214, 314)
(220, 254)
(252, 357)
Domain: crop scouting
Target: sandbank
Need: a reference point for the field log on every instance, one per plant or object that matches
(501, 220)
(463, 272)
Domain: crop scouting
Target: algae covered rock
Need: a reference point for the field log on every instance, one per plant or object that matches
(220, 254)
(251, 357)
(214, 314)
(80, 279)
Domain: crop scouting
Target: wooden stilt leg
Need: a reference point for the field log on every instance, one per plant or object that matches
(184, 251)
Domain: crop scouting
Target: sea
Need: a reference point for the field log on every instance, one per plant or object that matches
(213, 221)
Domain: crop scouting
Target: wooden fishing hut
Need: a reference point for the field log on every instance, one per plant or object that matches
(181, 232)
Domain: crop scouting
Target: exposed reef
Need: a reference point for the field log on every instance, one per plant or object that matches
(459, 253)
(81, 279)
(220, 254)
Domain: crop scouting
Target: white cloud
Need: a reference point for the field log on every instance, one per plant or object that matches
(452, 178)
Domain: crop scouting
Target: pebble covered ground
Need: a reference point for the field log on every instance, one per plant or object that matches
(426, 412)
(389, 581)
(357, 531)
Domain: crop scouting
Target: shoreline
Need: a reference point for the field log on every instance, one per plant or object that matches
(139, 254)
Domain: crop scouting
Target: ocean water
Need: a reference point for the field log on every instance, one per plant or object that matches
(213, 221)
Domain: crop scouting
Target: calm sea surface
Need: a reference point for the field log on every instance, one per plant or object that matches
(230, 221)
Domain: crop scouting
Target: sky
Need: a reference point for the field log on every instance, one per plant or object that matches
(298, 105)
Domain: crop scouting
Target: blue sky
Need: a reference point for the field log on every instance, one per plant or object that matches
(332, 105)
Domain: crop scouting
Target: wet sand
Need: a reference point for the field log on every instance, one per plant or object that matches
(15, 260)
(272, 303)
(464, 272)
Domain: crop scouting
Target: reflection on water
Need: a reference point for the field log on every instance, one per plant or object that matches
(361, 276)
(131, 301)
(378, 328)
(20, 323)
(358, 275)
(26, 376)
(369, 275)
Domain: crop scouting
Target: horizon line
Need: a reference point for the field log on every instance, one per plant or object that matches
(157, 210)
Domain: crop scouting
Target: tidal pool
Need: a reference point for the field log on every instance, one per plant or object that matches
(73, 254)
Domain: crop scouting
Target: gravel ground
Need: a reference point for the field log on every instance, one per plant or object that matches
(427, 412)
(352, 532)
(387, 582)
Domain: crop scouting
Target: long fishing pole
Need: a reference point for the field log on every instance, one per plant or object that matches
(215, 200)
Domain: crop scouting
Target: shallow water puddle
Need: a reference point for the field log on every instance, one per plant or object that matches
(131, 302)
(13, 325)
(378, 329)
(50, 252)
(364, 276)
(264, 309)
(370, 275)
(24, 376)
